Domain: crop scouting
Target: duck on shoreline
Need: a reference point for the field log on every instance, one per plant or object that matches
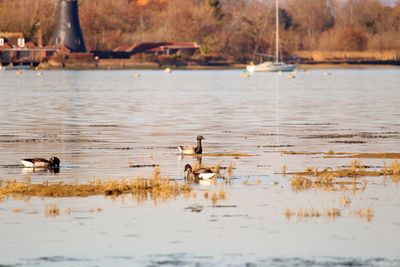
(53, 162)
(187, 150)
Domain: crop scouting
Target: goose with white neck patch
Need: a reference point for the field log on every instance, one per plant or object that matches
(188, 150)
(203, 174)
(53, 162)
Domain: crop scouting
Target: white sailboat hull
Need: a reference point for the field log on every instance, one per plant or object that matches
(271, 67)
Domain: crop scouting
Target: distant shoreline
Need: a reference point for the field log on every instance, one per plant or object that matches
(302, 66)
(122, 65)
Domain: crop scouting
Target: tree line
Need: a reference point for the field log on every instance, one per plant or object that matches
(235, 29)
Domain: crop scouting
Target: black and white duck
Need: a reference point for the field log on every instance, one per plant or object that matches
(199, 174)
(188, 150)
(53, 162)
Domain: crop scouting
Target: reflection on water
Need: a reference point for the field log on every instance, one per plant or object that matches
(104, 124)
(26, 171)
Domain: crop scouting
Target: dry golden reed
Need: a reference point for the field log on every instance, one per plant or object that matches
(367, 214)
(221, 194)
(229, 170)
(154, 187)
(284, 169)
(51, 211)
(332, 154)
(227, 155)
(342, 178)
(332, 213)
(345, 201)
(311, 213)
(215, 196)
(17, 210)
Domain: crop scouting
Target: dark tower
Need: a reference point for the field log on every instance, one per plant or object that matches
(68, 30)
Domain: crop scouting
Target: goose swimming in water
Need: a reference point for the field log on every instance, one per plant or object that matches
(199, 174)
(53, 162)
(187, 150)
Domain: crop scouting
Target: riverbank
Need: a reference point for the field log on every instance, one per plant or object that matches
(305, 60)
(373, 57)
(120, 65)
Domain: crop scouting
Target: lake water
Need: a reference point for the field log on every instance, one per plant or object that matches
(100, 122)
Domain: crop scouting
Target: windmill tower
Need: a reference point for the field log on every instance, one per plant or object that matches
(68, 30)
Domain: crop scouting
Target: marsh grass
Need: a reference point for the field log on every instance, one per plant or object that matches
(312, 213)
(332, 213)
(327, 183)
(229, 170)
(355, 169)
(239, 155)
(257, 181)
(342, 178)
(284, 169)
(51, 210)
(154, 187)
(333, 154)
(345, 201)
(384, 155)
(96, 210)
(216, 196)
(392, 170)
(366, 214)
(17, 210)
(221, 194)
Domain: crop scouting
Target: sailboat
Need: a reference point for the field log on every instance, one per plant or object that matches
(273, 66)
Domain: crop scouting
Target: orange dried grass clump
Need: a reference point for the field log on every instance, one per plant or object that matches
(155, 187)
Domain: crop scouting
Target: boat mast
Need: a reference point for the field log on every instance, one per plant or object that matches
(277, 31)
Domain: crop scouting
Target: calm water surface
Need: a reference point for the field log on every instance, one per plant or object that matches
(98, 122)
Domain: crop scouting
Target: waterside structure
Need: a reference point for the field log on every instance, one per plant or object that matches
(68, 41)
(15, 50)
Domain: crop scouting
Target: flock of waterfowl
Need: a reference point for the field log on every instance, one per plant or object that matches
(202, 173)
(196, 175)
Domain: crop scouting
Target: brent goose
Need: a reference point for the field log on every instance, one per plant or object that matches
(53, 162)
(199, 174)
(187, 150)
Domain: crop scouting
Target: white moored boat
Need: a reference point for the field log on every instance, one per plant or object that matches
(273, 66)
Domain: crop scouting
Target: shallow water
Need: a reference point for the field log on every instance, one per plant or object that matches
(98, 122)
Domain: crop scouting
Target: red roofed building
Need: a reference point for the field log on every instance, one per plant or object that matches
(174, 48)
(151, 48)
